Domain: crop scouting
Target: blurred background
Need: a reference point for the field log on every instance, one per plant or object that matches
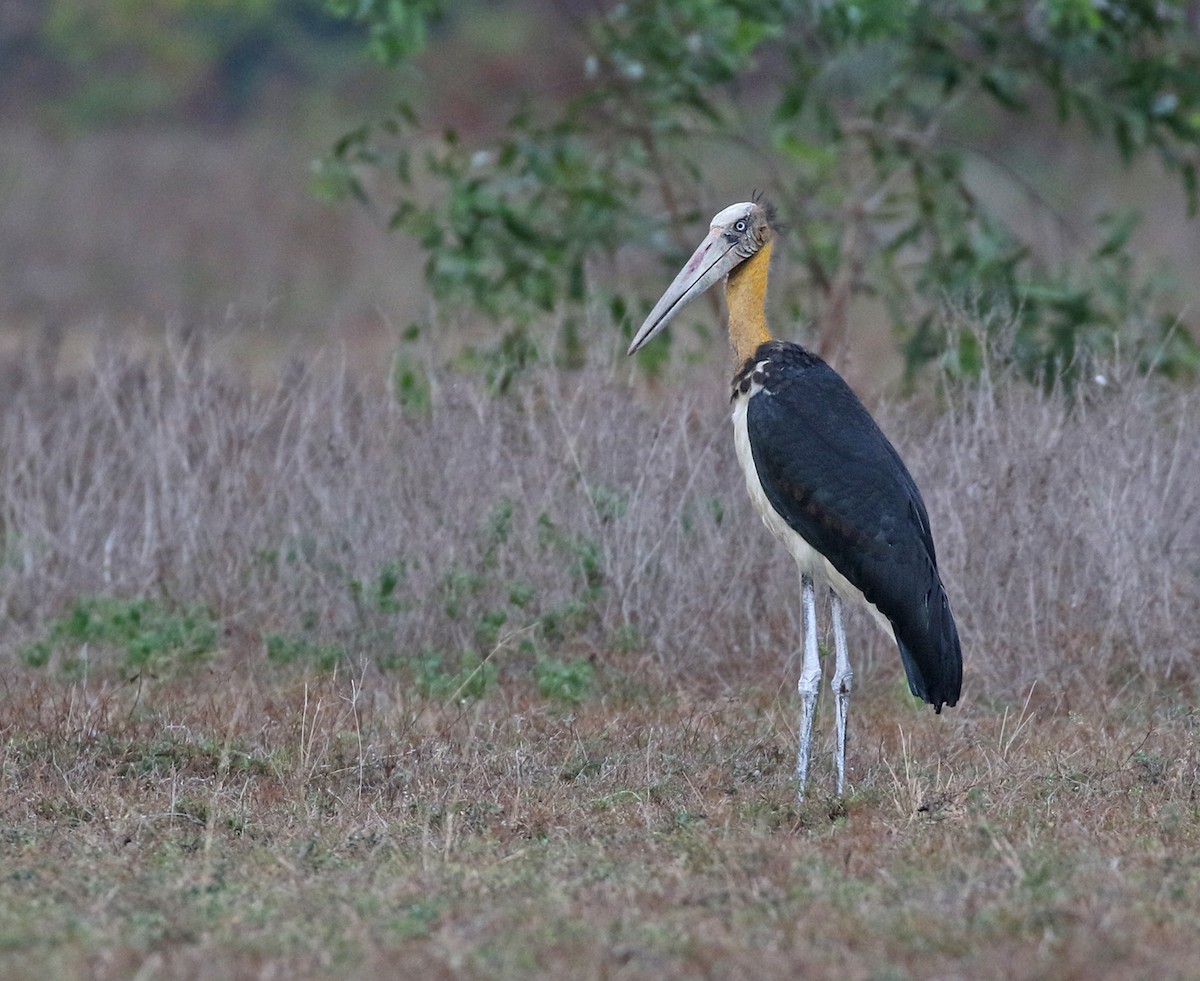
(157, 170)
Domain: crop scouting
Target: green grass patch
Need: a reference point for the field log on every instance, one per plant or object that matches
(287, 649)
(145, 633)
(564, 681)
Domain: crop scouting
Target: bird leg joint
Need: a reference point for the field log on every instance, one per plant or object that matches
(810, 681)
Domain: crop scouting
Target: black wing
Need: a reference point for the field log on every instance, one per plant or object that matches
(836, 480)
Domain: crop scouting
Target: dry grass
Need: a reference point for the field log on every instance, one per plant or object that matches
(240, 826)
(505, 689)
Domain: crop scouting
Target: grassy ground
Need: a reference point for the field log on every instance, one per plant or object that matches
(243, 825)
(319, 679)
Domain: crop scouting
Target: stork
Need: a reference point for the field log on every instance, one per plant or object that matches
(825, 479)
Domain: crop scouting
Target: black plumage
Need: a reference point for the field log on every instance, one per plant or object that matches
(837, 481)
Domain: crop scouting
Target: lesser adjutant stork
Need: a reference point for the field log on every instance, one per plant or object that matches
(825, 479)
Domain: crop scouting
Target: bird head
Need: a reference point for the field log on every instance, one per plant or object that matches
(736, 233)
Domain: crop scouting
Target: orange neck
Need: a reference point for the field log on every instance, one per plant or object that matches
(746, 296)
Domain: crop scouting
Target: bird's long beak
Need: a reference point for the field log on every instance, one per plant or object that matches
(710, 263)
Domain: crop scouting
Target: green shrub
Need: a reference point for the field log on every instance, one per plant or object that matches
(148, 634)
(564, 681)
(285, 649)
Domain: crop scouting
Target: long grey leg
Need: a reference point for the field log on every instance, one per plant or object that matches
(810, 682)
(843, 677)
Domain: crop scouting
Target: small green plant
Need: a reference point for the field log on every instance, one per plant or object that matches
(503, 362)
(627, 639)
(610, 505)
(286, 649)
(410, 380)
(150, 635)
(382, 601)
(497, 530)
(511, 613)
(564, 681)
(381, 594)
(488, 627)
(521, 594)
(459, 586)
(587, 558)
(560, 622)
(468, 680)
(417, 919)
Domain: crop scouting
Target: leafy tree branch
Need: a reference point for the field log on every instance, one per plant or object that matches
(849, 116)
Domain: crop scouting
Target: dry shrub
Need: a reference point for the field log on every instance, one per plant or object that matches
(1068, 531)
(578, 517)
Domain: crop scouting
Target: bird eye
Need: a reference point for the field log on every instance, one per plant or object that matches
(740, 226)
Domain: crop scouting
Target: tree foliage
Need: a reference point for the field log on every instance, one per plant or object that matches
(137, 59)
(862, 120)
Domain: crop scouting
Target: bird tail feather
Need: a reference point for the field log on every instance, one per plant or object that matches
(934, 665)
